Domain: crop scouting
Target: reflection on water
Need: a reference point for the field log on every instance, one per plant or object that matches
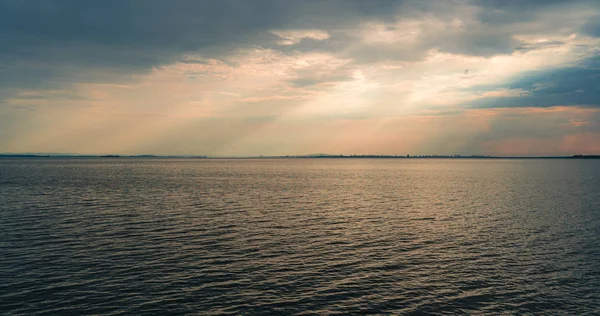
(299, 236)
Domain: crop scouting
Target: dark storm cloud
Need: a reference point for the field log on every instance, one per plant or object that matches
(74, 41)
(69, 41)
(593, 28)
(142, 33)
(500, 12)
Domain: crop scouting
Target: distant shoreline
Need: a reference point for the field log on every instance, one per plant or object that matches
(324, 156)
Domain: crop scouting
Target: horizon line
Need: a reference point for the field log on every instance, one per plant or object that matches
(320, 155)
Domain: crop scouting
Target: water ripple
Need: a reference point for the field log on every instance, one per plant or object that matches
(305, 237)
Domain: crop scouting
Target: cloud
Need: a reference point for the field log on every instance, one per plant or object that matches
(72, 41)
(568, 86)
(225, 74)
(140, 35)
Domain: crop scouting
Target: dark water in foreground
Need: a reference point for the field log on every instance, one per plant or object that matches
(312, 236)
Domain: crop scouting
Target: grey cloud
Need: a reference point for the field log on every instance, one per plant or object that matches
(161, 28)
(502, 12)
(539, 45)
(593, 28)
(592, 63)
(492, 32)
(336, 42)
(321, 75)
(382, 52)
(475, 42)
(68, 40)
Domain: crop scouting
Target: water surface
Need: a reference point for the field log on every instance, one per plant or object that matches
(299, 236)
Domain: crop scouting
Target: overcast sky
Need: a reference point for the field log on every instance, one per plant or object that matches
(252, 77)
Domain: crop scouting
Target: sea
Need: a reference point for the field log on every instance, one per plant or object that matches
(315, 236)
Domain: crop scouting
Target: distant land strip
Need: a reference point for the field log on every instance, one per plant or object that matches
(34, 155)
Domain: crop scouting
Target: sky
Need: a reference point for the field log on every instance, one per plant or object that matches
(258, 77)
